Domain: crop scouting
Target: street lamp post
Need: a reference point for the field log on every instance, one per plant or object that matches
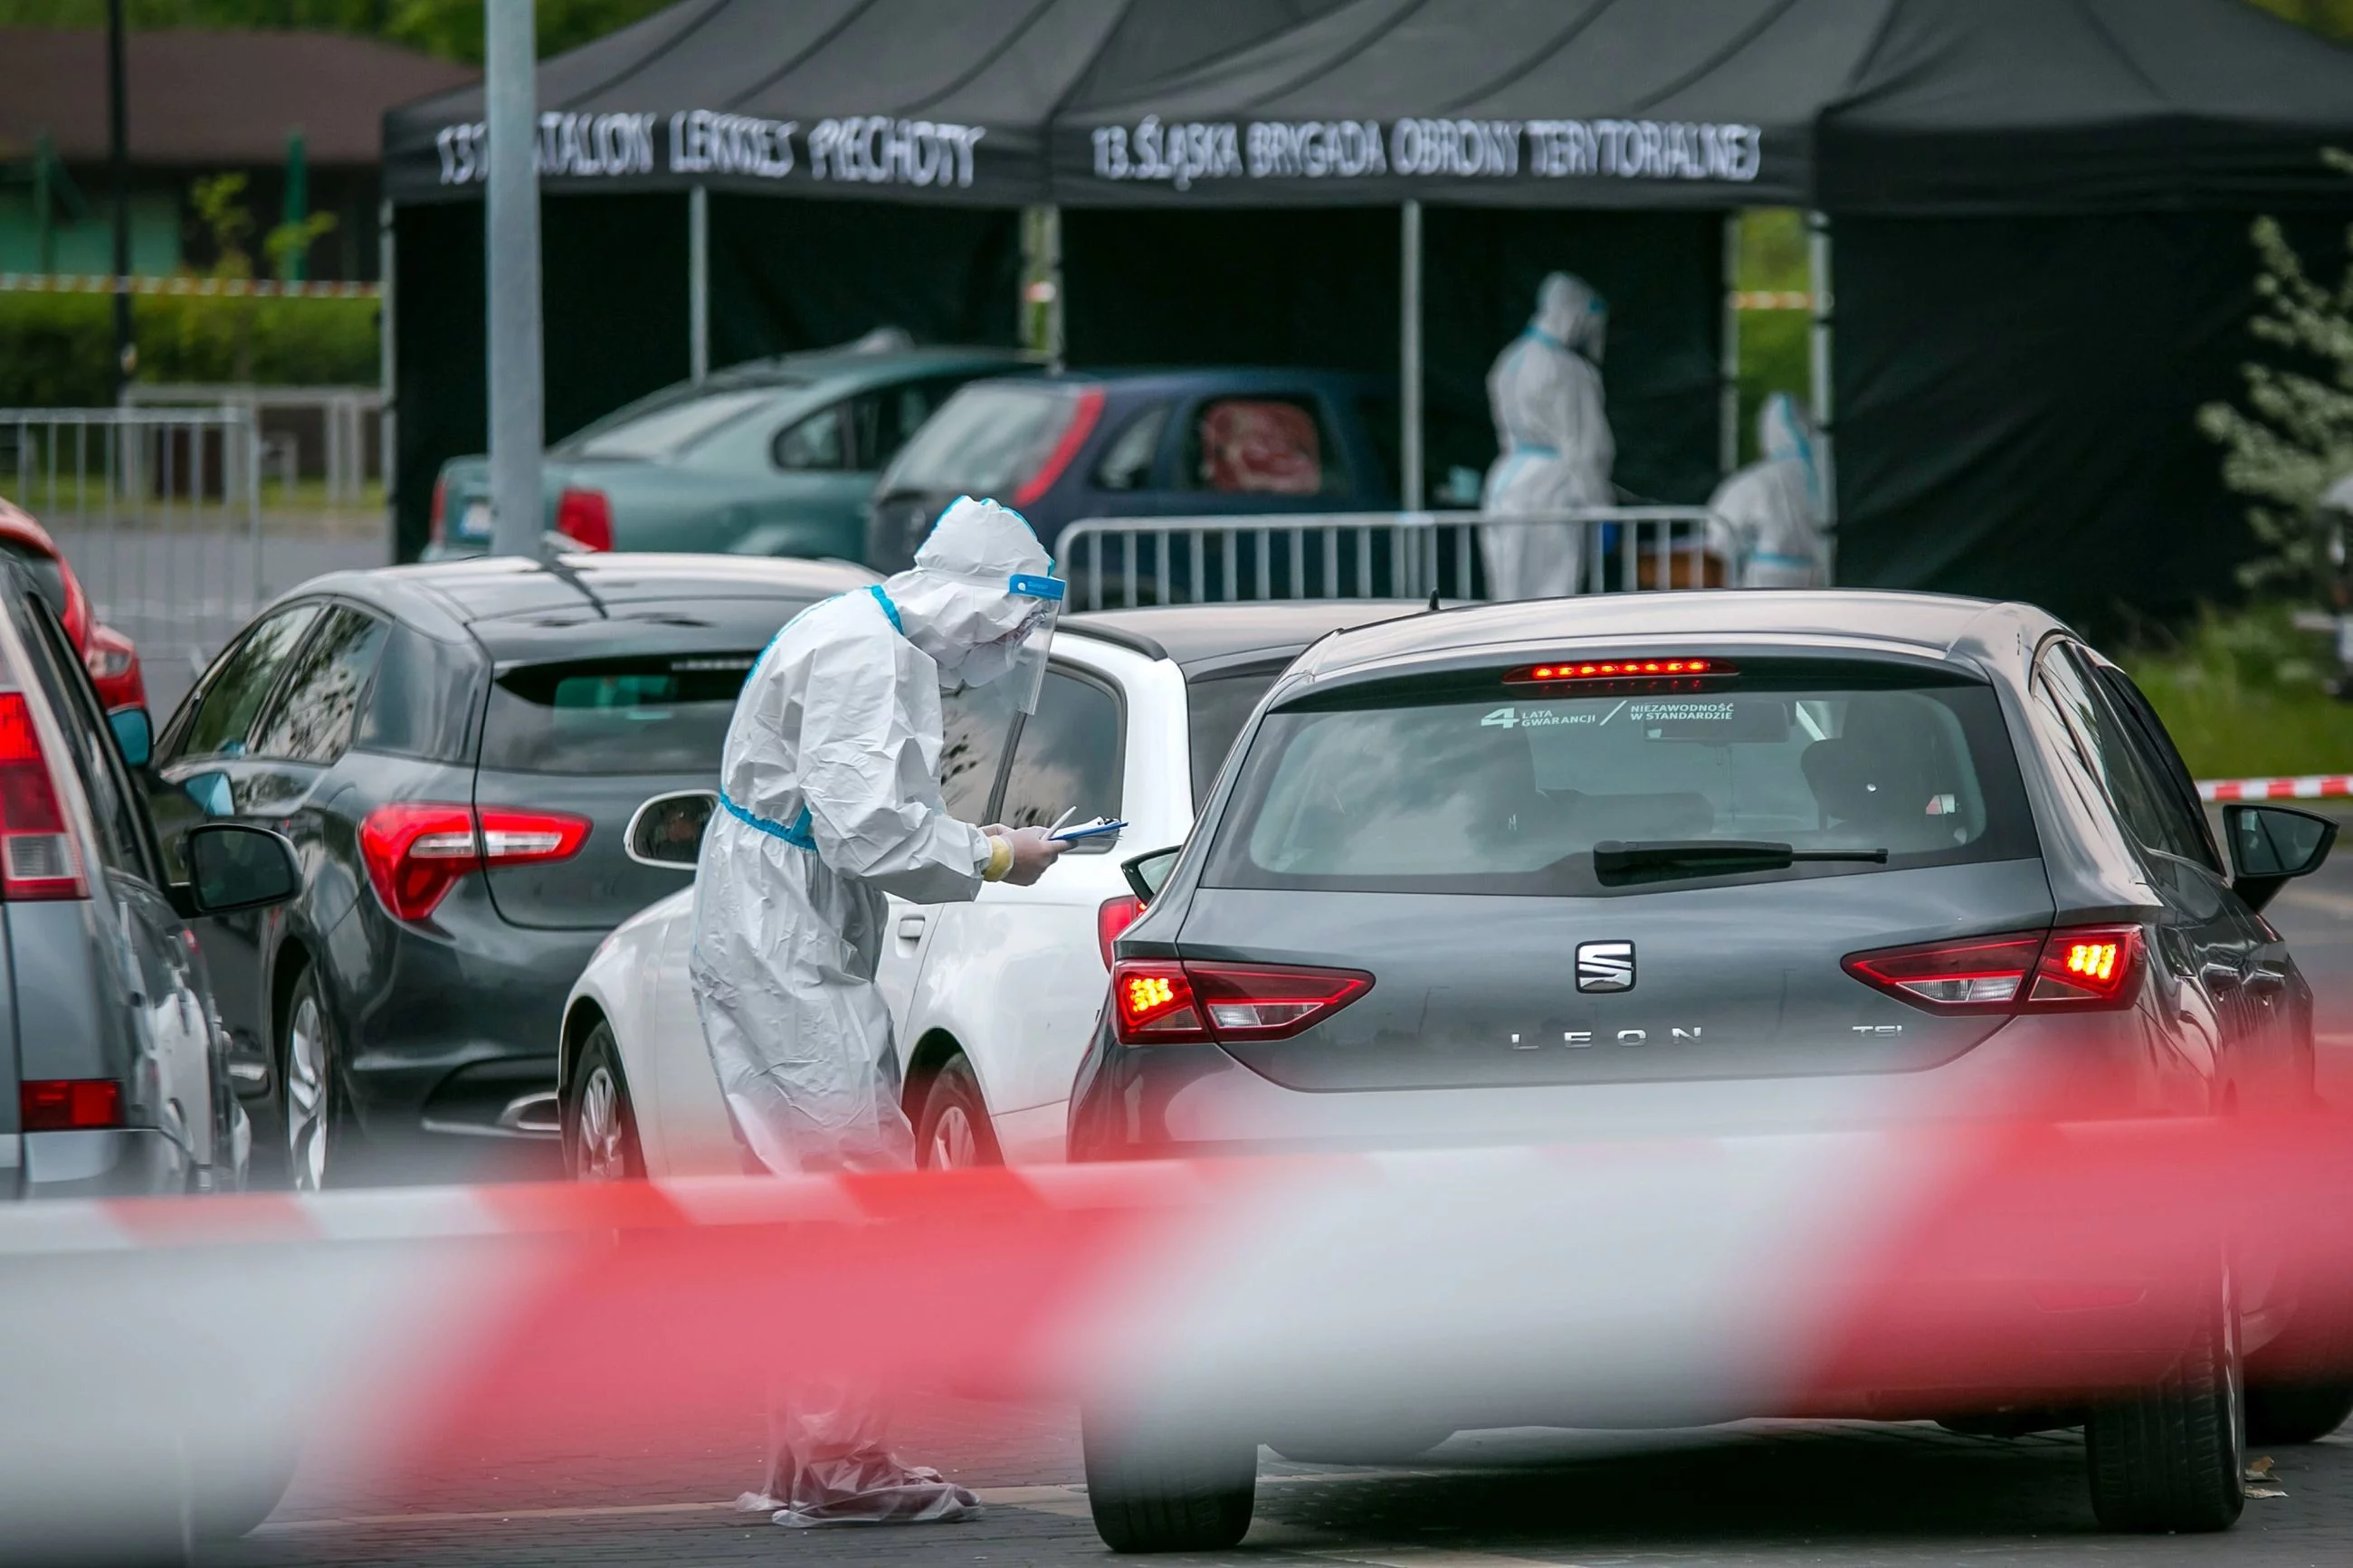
(510, 233)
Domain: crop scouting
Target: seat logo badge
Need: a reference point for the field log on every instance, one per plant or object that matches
(1605, 966)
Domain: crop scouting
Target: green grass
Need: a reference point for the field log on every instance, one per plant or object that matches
(2241, 694)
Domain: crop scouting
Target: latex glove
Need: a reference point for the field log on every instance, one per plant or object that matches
(1033, 851)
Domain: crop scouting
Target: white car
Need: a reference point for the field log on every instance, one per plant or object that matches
(992, 1001)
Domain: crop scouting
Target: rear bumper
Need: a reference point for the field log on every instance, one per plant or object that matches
(133, 1162)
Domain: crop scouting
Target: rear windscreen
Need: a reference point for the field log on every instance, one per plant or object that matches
(651, 714)
(983, 440)
(1475, 787)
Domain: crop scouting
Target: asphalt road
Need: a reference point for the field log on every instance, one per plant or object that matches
(1775, 1493)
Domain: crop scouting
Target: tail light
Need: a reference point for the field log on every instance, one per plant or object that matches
(1087, 409)
(69, 1104)
(1614, 670)
(587, 518)
(1115, 916)
(109, 655)
(1174, 1002)
(2072, 967)
(440, 518)
(416, 851)
(38, 858)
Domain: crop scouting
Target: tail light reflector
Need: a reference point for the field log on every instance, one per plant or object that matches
(585, 517)
(1083, 415)
(2078, 966)
(1115, 916)
(37, 856)
(439, 521)
(1168, 1002)
(416, 851)
(69, 1104)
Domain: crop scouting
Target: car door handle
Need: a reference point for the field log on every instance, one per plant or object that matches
(911, 927)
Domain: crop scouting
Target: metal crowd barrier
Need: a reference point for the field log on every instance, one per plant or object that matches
(158, 510)
(1126, 561)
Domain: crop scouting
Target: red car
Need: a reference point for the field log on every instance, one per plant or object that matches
(111, 658)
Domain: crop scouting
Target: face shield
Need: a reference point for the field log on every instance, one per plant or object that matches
(1027, 644)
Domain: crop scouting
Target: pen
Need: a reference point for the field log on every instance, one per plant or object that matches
(1066, 816)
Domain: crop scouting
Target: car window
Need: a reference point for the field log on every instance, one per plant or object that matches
(310, 719)
(1270, 445)
(234, 692)
(974, 724)
(423, 700)
(1126, 463)
(2101, 740)
(1068, 760)
(660, 713)
(105, 783)
(2158, 751)
(881, 420)
(1220, 703)
(1482, 787)
(984, 438)
(47, 574)
(814, 445)
(668, 427)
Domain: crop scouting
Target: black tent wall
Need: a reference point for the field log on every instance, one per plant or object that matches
(2016, 398)
(615, 313)
(1320, 287)
(787, 274)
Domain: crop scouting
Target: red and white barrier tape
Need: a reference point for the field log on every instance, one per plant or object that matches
(2310, 786)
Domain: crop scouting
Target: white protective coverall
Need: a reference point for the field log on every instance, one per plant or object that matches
(1767, 522)
(1554, 446)
(830, 801)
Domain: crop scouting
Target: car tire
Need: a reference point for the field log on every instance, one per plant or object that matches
(953, 1130)
(1167, 1493)
(2173, 1457)
(2296, 1412)
(600, 1123)
(315, 1126)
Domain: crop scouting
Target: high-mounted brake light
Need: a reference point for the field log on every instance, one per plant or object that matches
(69, 1104)
(2073, 967)
(416, 851)
(38, 858)
(585, 517)
(1615, 670)
(1066, 446)
(437, 522)
(1172, 1002)
(1115, 916)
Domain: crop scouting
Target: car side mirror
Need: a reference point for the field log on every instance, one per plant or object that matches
(667, 830)
(2270, 845)
(1148, 873)
(134, 735)
(232, 867)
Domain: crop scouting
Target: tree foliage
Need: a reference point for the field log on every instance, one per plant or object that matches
(2295, 437)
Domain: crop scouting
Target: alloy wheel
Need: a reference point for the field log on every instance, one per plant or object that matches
(954, 1145)
(307, 1116)
(597, 1141)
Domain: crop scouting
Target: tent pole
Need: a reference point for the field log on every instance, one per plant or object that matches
(698, 281)
(1818, 260)
(511, 230)
(1727, 393)
(1409, 357)
(1041, 305)
(388, 382)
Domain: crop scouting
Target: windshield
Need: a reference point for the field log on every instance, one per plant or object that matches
(983, 440)
(661, 427)
(1483, 788)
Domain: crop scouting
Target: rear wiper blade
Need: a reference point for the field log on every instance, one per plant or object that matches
(1712, 857)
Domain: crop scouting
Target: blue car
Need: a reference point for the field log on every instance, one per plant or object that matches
(1143, 443)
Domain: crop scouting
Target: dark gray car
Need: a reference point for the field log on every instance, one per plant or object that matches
(455, 751)
(1701, 864)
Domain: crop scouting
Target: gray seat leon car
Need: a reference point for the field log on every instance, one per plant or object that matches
(1708, 864)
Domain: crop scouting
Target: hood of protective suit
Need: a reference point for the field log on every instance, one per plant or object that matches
(1571, 314)
(955, 605)
(1784, 435)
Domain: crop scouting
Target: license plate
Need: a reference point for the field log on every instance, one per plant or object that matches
(476, 522)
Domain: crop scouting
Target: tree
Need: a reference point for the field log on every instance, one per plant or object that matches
(2296, 436)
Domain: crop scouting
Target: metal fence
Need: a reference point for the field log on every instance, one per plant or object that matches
(158, 510)
(1120, 562)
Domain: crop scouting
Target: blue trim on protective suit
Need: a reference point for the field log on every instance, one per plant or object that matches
(794, 833)
(889, 609)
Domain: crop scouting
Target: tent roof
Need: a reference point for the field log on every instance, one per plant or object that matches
(1918, 106)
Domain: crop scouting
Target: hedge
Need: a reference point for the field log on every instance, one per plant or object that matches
(57, 351)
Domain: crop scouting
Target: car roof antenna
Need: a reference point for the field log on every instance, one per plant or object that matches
(1433, 602)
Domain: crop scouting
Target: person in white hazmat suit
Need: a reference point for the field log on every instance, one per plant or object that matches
(829, 800)
(1554, 446)
(1768, 523)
